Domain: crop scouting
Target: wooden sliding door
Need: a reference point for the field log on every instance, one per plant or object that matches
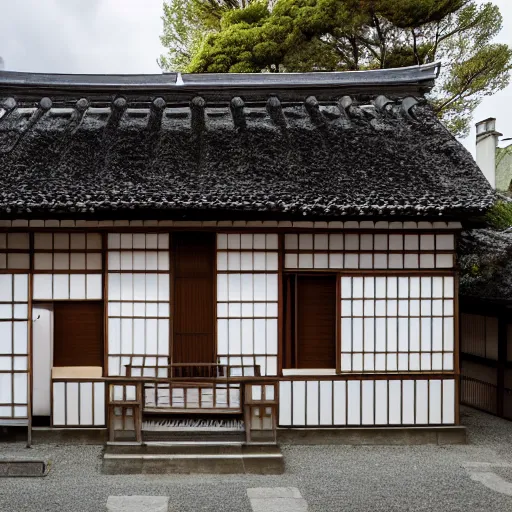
(310, 321)
(78, 334)
(193, 337)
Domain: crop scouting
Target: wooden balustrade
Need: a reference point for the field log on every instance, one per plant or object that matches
(194, 389)
(125, 404)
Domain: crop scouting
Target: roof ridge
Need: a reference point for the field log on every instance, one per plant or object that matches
(422, 74)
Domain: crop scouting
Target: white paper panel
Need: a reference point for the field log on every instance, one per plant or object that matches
(394, 390)
(381, 402)
(72, 404)
(435, 402)
(5, 388)
(6, 287)
(77, 286)
(43, 286)
(222, 337)
(298, 402)
(86, 403)
(408, 402)
(407, 399)
(99, 403)
(368, 402)
(61, 286)
(59, 403)
(326, 397)
(354, 402)
(312, 403)
(422, 402)
(369, 324)
(20, 388)
(448, 402)
(340, 401)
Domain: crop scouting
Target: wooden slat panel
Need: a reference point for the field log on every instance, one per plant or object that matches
(78, 334)
(316, 322)
(193, 339)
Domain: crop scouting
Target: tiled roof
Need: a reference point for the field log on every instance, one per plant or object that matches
(275, 146)
(485, 258)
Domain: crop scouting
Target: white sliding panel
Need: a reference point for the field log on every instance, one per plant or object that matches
(394, 402)
(14, 346)
(247, 300)
(138, 303)
(78, 404)
(391, 323)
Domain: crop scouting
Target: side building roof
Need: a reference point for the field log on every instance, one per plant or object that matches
(485, 259)
(250, 146)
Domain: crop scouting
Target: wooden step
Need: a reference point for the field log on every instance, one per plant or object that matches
(193, 436)
(169, 458)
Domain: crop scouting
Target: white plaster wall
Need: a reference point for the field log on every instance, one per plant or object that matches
(42, 359)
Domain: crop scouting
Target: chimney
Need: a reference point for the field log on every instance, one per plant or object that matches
(486, 142)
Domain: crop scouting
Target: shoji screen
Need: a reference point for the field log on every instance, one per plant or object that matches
(68, 266)
(366, 402)
(138, 300)
(391, 323)
(369, 251)
(247, 296)
(14, 251)
(14, 349)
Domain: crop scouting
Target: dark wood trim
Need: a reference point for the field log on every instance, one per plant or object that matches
(502, 362)
(414, 272)
(104, 261)
(30, 343)
(172, 300)
(338, 323)
(235, 229)
(335, 377)
(490, 363)
(214, 299)
(280, 305)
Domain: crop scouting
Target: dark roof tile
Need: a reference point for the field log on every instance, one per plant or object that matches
(291, 152)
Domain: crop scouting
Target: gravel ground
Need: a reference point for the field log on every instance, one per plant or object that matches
(330, 478)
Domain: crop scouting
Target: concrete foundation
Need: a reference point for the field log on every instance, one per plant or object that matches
(47, 435)
(169, 458)
(374, 436)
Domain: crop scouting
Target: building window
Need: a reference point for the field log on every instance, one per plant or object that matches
(310, 321)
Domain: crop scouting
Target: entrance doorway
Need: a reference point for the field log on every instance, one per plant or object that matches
(193, 320)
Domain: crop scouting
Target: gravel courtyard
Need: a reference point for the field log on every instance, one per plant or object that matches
(327, 478)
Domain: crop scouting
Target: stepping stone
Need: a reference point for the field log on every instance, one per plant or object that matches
(138, 504)
(276, 499)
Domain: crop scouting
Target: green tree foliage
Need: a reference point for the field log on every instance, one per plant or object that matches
(500, 215)
(186, 25)
(329, 35)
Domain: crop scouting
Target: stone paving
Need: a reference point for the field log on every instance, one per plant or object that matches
(475, 477)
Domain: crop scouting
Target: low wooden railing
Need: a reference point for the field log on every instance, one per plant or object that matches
(479, 394)
(193, 389)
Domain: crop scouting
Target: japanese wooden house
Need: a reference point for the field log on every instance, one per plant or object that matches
(277, 248)
(486, 320)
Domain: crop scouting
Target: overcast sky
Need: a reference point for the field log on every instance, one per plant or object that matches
(122, 36)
